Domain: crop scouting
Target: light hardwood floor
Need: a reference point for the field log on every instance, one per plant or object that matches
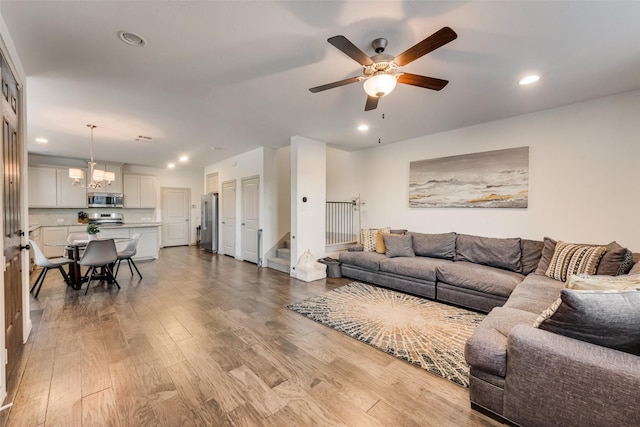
(207, 340)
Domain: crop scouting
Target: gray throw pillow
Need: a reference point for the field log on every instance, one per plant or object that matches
(500, 253)
(398, 245)
(606, 318)
(435, 245)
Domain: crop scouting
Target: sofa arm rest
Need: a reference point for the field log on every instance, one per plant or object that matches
(355, 248)
(556, 380)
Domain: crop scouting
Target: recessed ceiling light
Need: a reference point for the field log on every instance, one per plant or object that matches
(132, 39)
(362, 128)
(184, 158)
(42, 140)
(529, 79)
(171, 165)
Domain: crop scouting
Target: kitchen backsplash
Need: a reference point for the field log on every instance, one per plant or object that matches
(70, 216)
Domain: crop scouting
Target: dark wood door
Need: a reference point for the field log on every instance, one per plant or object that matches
(11, 154)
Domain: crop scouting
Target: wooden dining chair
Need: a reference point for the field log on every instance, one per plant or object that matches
(47, 264)
(99, 253)
(127, 253)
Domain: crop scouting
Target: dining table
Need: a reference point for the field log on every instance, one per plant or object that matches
(73, 251)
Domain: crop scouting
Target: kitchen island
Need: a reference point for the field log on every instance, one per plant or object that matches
(46, 236)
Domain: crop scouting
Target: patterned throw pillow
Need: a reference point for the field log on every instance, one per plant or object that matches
(569, 258)
(369, 237)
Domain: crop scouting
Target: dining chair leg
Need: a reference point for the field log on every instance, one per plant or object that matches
(65, 276)
(134, 266)
(42, 272)
(129, 264)
(91, 269)
(46, 269)
(117, 267)
(110, 273)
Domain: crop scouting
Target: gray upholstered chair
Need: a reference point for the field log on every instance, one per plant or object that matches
(99, 253)
(47, 264)
(128, 252)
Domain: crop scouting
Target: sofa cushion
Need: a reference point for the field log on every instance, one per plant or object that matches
(500, 253)
(480, 278)
(569, 258)
(610, 264)
(534, 294)
(531, 254)
(606, 318)
(435, 245)
(368, 260)
(486, 349)
(584, 282)
(398, 245)
(418, 267)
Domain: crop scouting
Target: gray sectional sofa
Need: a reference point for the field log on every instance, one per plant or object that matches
(518, 373)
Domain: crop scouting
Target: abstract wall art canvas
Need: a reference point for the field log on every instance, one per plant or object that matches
(492, 179)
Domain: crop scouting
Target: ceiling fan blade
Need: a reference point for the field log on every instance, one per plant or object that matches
(335, 84)
(351, 50)
(431, 43)
(372, 103)
(422, 81)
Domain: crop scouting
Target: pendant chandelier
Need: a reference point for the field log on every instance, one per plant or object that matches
(99, 178)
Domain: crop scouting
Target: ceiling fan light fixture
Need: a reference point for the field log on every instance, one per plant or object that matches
(529, 79)
(380, 84)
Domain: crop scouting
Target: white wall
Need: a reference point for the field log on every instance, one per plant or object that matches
(342, 177)
(583, 172)
(283, 167)
(308, 179)
(251, 163)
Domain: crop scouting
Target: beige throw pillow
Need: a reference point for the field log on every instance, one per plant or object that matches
(584, 282)
(369, 237)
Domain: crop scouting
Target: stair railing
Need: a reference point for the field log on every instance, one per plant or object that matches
(340, 223)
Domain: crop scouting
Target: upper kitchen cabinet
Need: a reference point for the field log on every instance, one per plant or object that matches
(116, 186)
(69, 195)
(52, 188)
(42, 187)
(139, 191)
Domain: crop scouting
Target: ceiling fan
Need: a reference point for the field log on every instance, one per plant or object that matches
(382, 71)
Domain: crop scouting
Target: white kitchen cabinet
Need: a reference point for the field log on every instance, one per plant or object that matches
(115, 186)
(42, 187)
(52, 188)
(68, 194)
(53, 239)
(139, 191)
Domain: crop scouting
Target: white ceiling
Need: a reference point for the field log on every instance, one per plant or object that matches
(235, 75)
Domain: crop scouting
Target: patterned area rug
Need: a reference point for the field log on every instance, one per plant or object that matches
(426, 333)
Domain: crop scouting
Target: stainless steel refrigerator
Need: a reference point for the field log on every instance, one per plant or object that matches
(209, 226)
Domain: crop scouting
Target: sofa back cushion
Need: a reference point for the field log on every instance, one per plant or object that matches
(612, 262)
(531, 254)
(435, 245)
(500, 253)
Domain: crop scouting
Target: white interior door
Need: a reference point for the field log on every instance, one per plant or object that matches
(250, 217)
(229, 218)
(175, 216)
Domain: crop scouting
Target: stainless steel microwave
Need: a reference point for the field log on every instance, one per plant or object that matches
(105, 200)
